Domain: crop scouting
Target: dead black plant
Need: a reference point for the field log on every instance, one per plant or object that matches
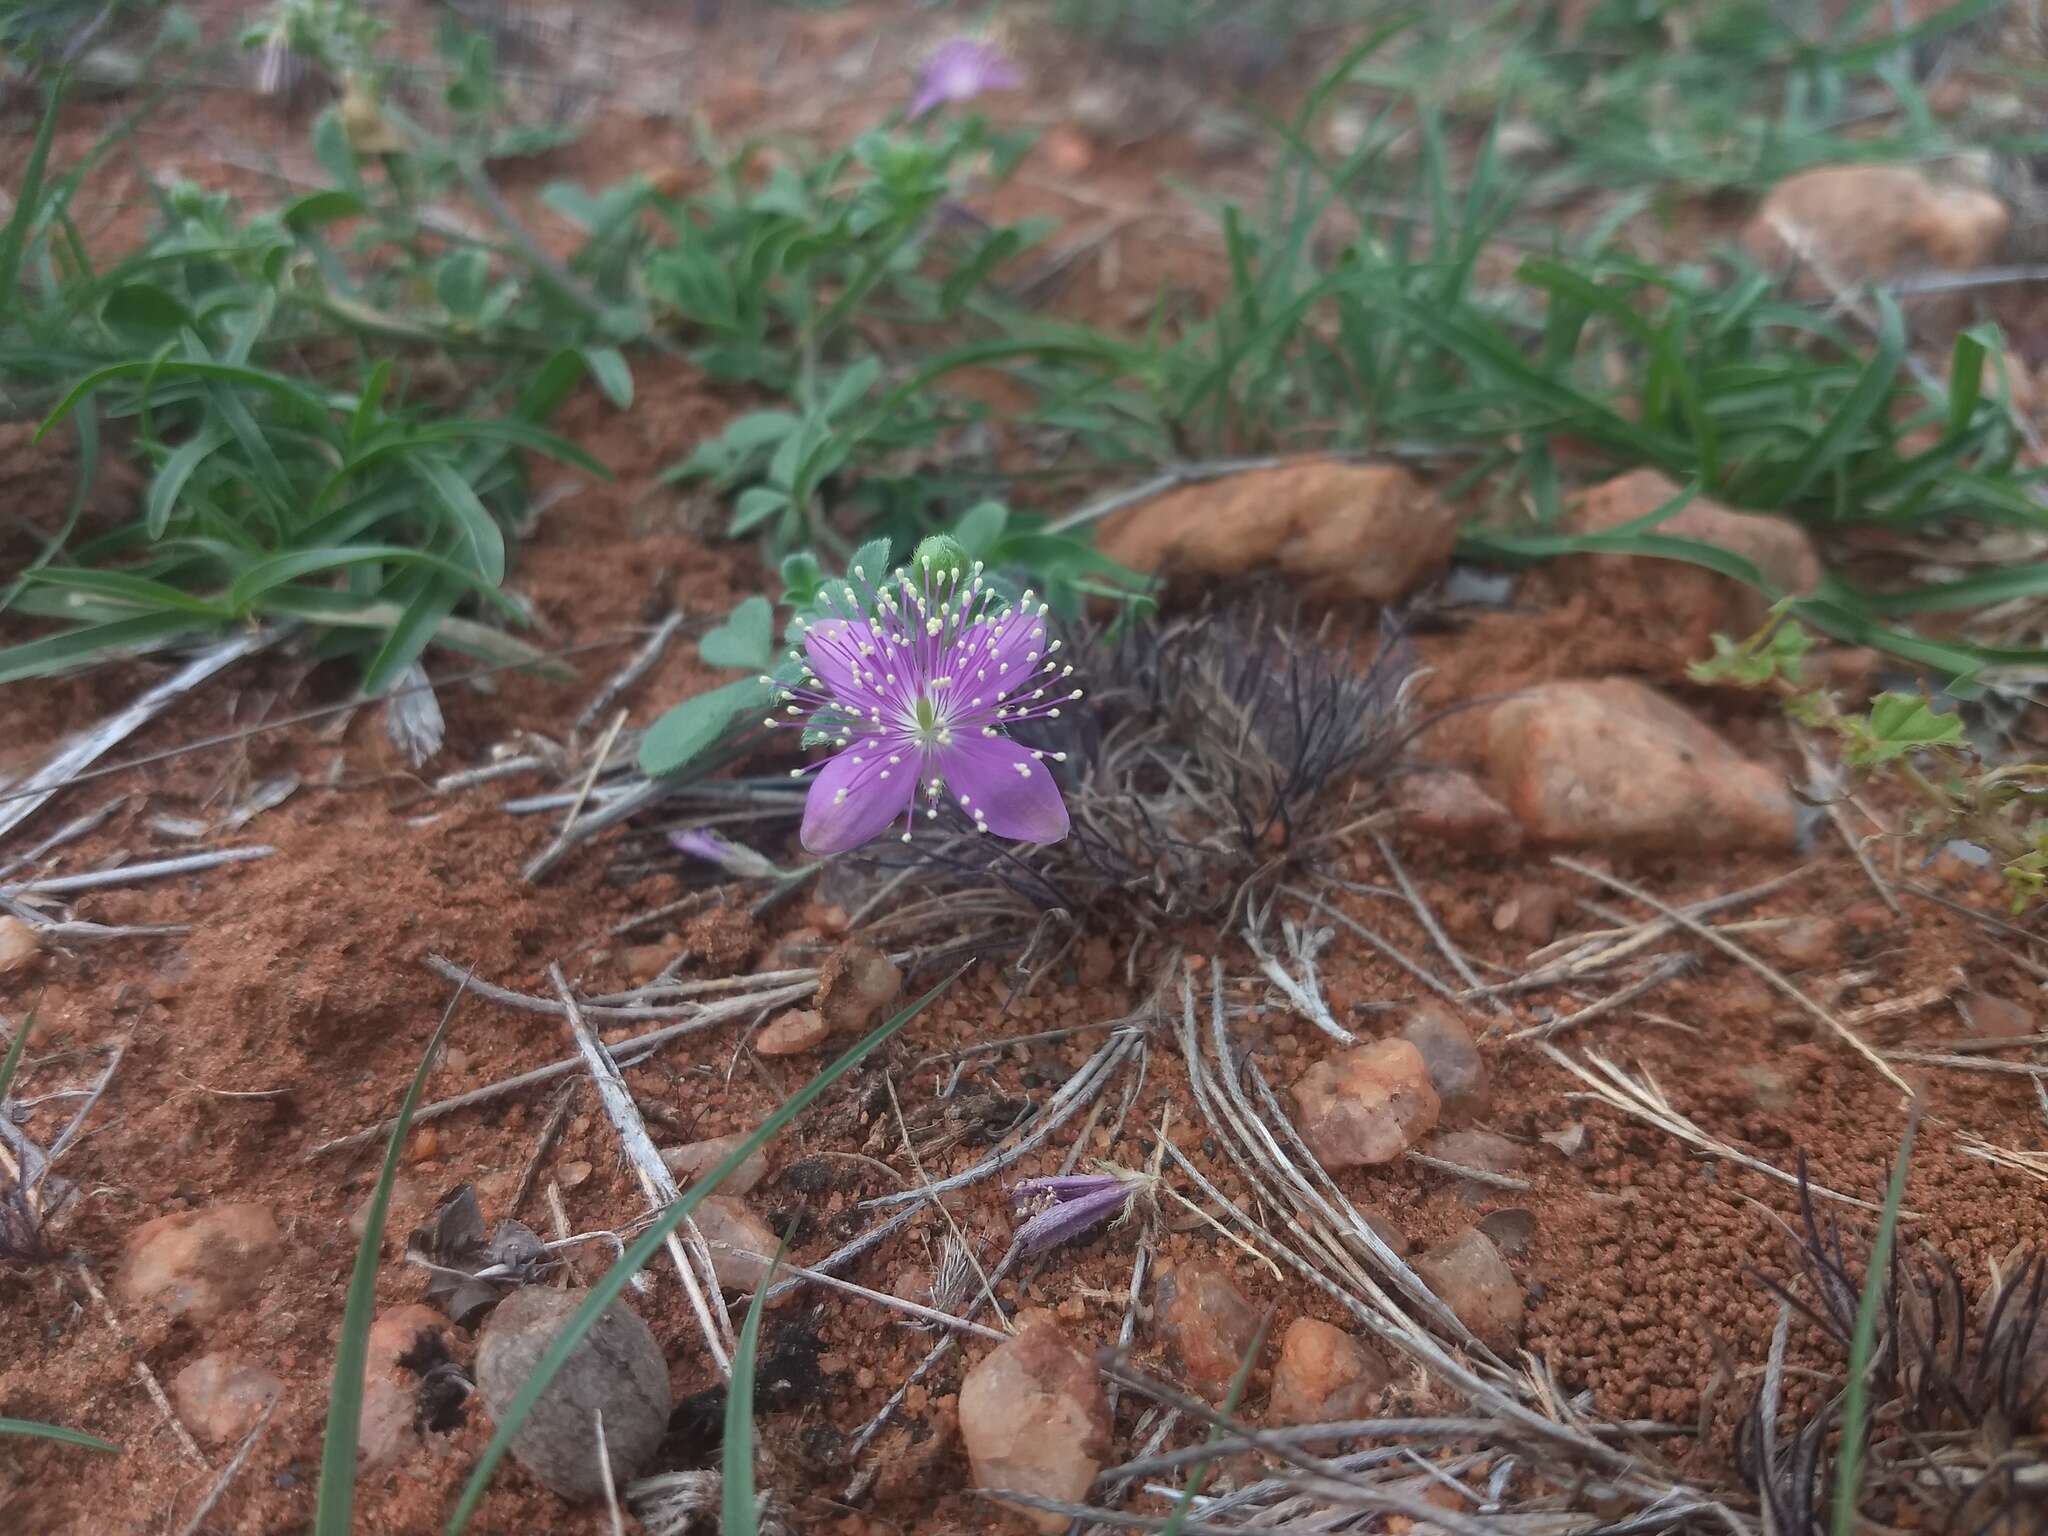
(1210, 756)
(1959, 1397)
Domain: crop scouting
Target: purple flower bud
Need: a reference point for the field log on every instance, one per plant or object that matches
(960, 70)
(1067, 1206)
(726, 854)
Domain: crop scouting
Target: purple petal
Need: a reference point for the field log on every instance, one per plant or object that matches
(1003, 787)
(1065, 1186)
(856, 796)
(1072, 1218)
(1007, 652)
(833, 648)
(959, 71)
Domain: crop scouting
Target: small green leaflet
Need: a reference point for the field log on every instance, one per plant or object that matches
(746, 639)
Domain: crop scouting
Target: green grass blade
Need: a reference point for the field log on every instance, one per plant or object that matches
(334, 1505)
(56, 653)
(738, 1513)
(12, 1064)
(1856, 1396)
(57, 1433)
(613, 1282)
(28, 203)
(1859, 408)
(1184, 1506)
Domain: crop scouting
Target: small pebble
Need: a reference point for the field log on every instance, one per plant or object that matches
(1034, 1419)
(617, 1370)
(19, 944)
(792, 1033)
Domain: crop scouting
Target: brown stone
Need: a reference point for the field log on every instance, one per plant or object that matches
(1781, 550)
(792, 1033)
(20, 943)
(1034, 1419)
(1616, 764)
(1531, 914)
(1365, 1105)
(1456, 1069)
(1862, 223)
(855, 985)
(220, 1396)
(693, 1160)
(1206, 1324)
(1453, 807)
(742, 1244)
(388, 1430)
(1324, 1375)
(1805, 940)
(616, 1370)
(200, 1265)
(1470, 1277)
(1993, 1017)
(1370, 531)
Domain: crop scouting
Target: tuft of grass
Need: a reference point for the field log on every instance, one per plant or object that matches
(1863, 1344)
(612, 1283)
(334, 1502)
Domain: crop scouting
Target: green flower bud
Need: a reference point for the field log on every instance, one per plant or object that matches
(941, 554)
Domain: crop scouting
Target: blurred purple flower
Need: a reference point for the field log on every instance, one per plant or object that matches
(913, 683)
(1068, 1206)
(960, 70)
(713, 849)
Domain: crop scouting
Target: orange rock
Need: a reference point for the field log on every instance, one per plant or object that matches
(19, 944)
(792, 1033)
(1454, 807)
(220, 1397)
(1370, 531)
(1781, 550)
(1206, 1323)
(200, 1265)
(1365, 1105)
(1034, 1419)
(1323, 1375)
(1470, 1277)
(1868, 222)
(1616, 764)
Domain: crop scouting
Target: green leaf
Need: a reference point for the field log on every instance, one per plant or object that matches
(147, 309)
(1899, 724)
(802, 576)
(552, 383)
(322, 207)
(613, 374)
(870, 563)
(756, 505)
(425, 610)
(852, 386)
(613, 1282)
(746, 639)
(56, 1432)
(980, 526)
(1966, 374)
(12, 1063)
(56, 653)
(171, 475)
(696, 724)
(334, 1504)
(482, 539)
(28, 202)
(460, 279)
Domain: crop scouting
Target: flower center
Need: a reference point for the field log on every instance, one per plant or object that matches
(925, 724)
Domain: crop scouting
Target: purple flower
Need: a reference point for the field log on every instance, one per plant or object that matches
(1068, 1206)
(713, 849)
(914, 683)
(960, 70)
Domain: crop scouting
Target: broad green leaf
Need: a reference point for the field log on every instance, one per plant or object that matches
(980, 526)
(746, 639)
(755, 506)
(696, 725)
(322, 207)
